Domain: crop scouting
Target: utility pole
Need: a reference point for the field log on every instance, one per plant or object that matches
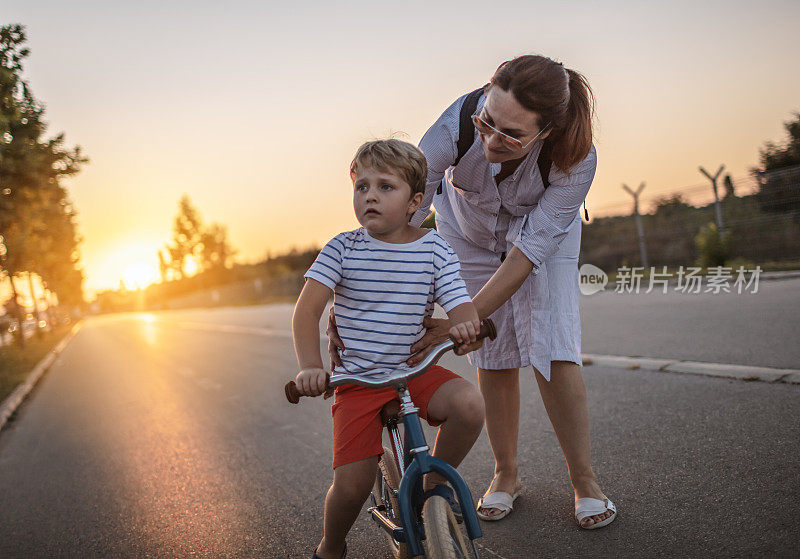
(717, 207)
(639, 228)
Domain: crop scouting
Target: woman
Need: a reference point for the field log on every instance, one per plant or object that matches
(518, 240)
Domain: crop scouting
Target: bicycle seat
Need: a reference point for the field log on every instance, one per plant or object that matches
(390, 412)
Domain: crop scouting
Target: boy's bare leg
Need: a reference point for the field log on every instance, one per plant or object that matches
(352, 484)
(500, 389)
(459, 406)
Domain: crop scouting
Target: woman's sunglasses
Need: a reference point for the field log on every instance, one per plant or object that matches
(509, 141)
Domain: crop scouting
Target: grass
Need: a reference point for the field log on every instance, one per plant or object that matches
(16, 363)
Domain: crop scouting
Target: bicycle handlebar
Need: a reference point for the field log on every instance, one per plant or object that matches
(487, 330)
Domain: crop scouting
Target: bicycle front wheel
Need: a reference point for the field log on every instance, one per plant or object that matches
(444, 537)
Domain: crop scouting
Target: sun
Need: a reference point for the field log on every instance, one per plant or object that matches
(139, 275)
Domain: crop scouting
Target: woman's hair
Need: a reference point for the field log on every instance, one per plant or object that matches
(395, 156)
(560, 96)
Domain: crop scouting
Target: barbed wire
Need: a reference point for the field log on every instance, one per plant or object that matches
(693, 194)
(782, 172)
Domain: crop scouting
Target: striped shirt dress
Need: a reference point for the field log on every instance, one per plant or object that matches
(482, 221)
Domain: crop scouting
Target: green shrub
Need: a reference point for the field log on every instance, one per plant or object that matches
(713, 249)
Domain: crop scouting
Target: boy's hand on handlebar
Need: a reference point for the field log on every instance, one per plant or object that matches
(466, 334)
(312, 382)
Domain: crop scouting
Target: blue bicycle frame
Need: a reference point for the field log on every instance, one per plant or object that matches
(415, 453)
(420, 462)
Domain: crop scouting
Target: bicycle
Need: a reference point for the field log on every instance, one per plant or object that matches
(399, 507)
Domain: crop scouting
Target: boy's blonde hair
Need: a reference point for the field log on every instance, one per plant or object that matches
(395, 156)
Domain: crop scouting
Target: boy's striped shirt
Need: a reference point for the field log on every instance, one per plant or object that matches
(382, 292)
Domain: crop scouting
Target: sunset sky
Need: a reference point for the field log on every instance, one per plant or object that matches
(254, 109)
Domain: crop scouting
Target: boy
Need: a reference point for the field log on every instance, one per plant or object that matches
(386, 277)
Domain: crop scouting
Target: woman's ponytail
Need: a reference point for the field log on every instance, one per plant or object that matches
(573, 139)
(560, 96)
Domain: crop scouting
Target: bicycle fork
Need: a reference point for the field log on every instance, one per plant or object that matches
(420, 462)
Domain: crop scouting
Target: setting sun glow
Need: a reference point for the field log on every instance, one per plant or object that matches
(132, 262)
(139, 275)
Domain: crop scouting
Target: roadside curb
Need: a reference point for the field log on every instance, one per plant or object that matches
(737, 372)
(13, 401)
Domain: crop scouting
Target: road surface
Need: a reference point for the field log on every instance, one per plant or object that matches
(167, 435)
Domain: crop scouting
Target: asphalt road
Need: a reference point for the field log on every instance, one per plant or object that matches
(760, 329)
(167, 435)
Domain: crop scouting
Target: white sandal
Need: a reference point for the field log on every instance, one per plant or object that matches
(587, 506)
(500, 500)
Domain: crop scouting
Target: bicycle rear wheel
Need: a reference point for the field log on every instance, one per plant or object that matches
(444, 537)
(387, 482)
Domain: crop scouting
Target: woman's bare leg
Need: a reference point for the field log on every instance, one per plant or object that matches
(564, 399)
(500, 389)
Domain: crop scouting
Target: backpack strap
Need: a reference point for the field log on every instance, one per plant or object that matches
(466, 130)
(545, 162)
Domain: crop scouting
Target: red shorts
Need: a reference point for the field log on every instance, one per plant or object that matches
(357, 427)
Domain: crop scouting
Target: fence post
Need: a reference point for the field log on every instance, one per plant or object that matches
(639, 228)
(717, 208)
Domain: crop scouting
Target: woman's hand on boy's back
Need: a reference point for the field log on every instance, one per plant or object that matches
(437, 330)
(312, 382)
(334, 341)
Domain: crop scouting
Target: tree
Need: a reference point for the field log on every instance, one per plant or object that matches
(729, 188)
(216, 251)
(59, 260)
(208, 246)
(31, 170)
(670, 206)
(163, 265)
(779, 173)
(187, 231)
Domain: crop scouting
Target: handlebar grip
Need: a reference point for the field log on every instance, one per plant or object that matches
(293, 395)
(488, 329)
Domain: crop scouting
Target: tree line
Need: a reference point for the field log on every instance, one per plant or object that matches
(38, 222)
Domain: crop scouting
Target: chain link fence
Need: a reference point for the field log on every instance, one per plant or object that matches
(760, 219)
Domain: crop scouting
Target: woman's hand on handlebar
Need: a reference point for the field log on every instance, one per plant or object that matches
(312, 382)
(334, 341)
